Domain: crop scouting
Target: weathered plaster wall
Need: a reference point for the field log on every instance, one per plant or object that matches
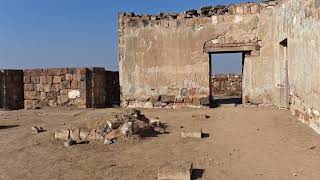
(167, 56)
(298, 21)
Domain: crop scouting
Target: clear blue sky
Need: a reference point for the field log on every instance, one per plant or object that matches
(58, 33)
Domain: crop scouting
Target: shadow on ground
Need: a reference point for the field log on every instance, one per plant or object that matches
(8, 126)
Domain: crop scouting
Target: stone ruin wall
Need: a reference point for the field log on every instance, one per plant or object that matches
(77, 87)
(164, 60)
(11, 89)
(226, 85)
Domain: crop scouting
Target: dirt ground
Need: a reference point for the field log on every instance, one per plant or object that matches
(243, 143)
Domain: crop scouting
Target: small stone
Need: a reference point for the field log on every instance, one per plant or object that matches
(313, 147)
(108, 142)
(189, 134)
(69, 142)
(36, 130)
(114, 124)
(126, 128)
(114, 134)
(154, 122)
(160, 130)
(295, 174)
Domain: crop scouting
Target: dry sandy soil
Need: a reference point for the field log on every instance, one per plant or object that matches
(244, 144)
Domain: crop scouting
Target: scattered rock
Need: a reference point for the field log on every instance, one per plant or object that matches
(36, 130)
(62, 135)
(313, 147)
(190, 134)
(69, 142)
(160, 130)
(128, 125)
(108, 142)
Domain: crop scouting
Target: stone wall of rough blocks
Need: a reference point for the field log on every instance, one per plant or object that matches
(11, 89)
(55, 87)
(226, 85)
(78, 87)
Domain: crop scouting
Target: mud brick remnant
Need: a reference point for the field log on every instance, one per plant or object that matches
(191, 134)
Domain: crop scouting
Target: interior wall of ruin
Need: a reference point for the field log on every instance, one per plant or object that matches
(298, 21)
(165, 57)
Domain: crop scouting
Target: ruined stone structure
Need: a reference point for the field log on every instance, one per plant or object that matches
(166, 56)
(226, 85)
(78, 87)
(11, 89)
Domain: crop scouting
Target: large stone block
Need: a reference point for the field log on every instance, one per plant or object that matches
(56, 79)
(26, 79)
(28, 87)
(35, 80)
(175, 170)
(43, 80)
(65, 85)
(167, 98)
(32, 95)
(47, 88)
(30, 104)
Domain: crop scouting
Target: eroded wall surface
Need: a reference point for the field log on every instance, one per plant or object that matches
(164, 60)
(299, 23)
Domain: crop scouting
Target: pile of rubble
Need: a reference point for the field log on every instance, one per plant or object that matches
(128, 125)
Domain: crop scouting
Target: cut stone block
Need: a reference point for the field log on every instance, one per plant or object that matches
(199, 116)
(191, 134)
(175, 171)
(62, 135)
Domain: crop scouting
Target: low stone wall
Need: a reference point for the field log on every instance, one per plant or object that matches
(77, 87)
(11, 89)
(226, 85)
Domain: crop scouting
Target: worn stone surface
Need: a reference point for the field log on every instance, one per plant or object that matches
(191, 134)
(175, 170)
(78, 87)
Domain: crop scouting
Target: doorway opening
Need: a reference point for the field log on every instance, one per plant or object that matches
(226, 78)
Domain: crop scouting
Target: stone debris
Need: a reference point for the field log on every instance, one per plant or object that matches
(200, 116)
(175, 170)
(69, 142)
(191, 134)
(36, 129)
(125, 126)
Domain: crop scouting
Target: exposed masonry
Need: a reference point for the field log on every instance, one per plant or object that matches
(77, 87)
(226, 85)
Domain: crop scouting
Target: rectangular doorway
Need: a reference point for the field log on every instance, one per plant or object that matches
(226, 78)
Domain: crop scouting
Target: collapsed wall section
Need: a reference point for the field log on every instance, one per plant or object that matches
(11, 89)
